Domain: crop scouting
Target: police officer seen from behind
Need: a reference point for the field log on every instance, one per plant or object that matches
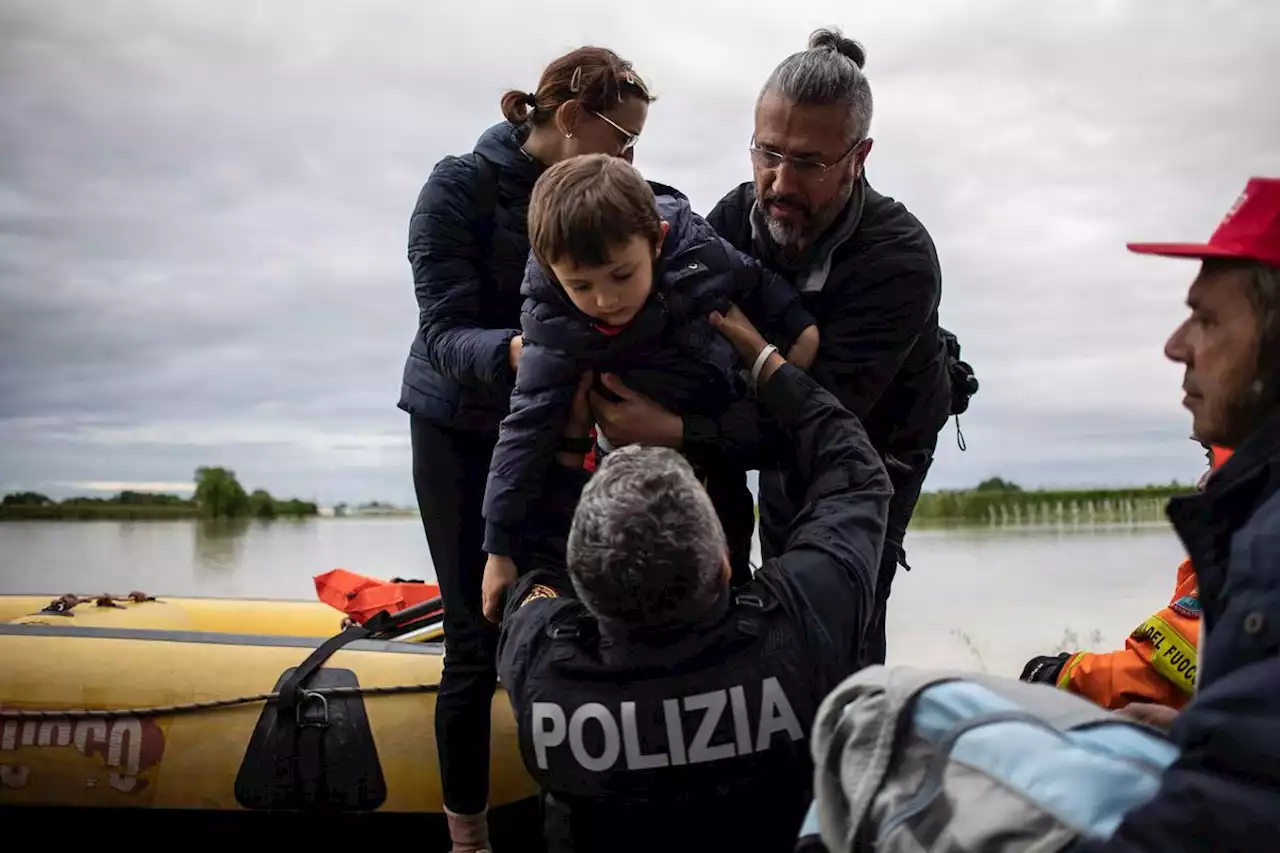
(656, 710)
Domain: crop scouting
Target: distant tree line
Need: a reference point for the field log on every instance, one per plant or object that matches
(997, 497)
(371, 508)
(218, 494)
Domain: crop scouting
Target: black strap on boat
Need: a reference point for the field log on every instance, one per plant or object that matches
(311, 731)
(291, 690)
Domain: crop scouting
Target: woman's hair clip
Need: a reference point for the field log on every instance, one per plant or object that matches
(575, 82)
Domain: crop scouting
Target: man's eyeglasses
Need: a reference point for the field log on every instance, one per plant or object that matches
(814, 171)
(629, 139)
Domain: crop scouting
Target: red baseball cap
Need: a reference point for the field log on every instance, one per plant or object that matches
(1250, 230)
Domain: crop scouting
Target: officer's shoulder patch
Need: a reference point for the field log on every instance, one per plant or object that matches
(1188, 605)
(539, 590)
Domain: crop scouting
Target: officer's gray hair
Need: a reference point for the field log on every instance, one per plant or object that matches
(829, 72)
(646, 547)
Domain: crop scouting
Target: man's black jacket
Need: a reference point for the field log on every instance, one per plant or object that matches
(881, 352)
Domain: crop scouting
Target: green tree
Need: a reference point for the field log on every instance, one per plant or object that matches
(26, 499)
(294, 506)
(219, 493)
(996, 484)
(261, 504)
(149, 499)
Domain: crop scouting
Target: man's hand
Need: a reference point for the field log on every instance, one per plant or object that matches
(499, 573)
(1044, 669)
(635, 419)
(740, 332)
(578, 424)
(746, 340)
(1158, 716)
(805, 349)
(513, 351)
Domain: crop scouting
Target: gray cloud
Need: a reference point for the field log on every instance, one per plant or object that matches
(203, 210)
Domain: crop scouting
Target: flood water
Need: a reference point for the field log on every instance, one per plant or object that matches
(977, 598)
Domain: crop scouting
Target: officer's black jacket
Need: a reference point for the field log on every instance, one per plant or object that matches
(697, 738)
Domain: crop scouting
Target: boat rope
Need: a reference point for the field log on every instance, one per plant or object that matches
(65, 603)
(210, 705)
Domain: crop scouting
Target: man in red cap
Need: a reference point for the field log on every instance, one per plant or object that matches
(1223, 792)
(1229, 344)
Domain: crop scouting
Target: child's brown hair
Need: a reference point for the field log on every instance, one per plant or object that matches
(585, 206)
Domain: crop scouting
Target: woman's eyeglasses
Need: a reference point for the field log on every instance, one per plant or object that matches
(629, 139)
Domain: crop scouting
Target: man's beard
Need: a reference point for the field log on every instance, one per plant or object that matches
(789, 240)
(786, 236)
(794, 239)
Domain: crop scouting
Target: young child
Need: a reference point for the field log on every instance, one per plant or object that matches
(621, 280)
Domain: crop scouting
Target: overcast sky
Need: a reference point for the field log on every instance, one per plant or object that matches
(203, 210)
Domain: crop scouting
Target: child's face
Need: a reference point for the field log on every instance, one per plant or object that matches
(614, 292)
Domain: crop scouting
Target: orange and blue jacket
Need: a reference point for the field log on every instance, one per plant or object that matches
(1158, 661)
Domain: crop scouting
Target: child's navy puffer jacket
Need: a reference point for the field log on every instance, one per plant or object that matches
(669, 352)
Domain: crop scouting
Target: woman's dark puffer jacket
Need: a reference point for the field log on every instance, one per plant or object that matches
(467, 271)
(669, 352)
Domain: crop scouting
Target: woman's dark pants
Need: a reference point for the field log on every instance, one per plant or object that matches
(450, 468)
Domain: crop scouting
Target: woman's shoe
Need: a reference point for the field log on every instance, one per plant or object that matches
(469, 832)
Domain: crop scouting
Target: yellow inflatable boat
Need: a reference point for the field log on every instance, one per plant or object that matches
(247, 711)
